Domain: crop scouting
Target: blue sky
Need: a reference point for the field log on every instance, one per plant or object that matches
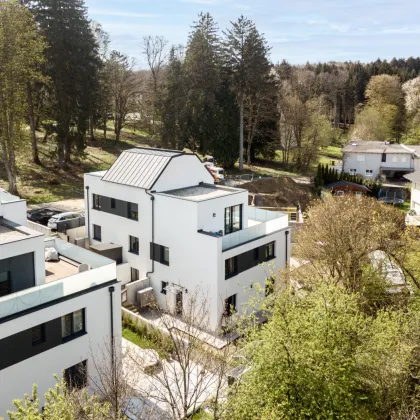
(297, 30)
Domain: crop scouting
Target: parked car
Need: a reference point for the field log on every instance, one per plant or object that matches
(42, 216)
(52, 223)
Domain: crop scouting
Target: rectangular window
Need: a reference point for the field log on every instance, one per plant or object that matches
(165, 255)
(360, 158)
(269, 251)
(383, 157)
(230, 267)
(38, 334)
(5, 283)
(230, 305)
(134, 245)
(73, 324)
(163, 287)
(339, 193)
(132, 211)
(352, 171)
(76, 376)
(96, 201)
(112, 203)
(403, 159)
(134, 274)
(369, 172)
(97, 233)
(233, 219)
(395, 159)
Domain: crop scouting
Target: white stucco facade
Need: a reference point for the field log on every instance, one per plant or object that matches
(42, 307)
(185, 212)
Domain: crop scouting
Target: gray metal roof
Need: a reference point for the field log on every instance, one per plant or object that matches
(375, 147)
(140, 167)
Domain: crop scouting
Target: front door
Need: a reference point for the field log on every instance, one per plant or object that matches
(178, 303)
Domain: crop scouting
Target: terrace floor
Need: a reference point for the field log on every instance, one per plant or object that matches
(57, 270)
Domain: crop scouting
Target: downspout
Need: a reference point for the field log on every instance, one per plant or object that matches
(152, 197)
(287, 243)
(111, 291)
(88, 218)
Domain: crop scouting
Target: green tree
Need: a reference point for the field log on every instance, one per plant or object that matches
(21, 53)
(320, 357)
(72, 64)
(62, 404)
(246, 58)
(202, 73)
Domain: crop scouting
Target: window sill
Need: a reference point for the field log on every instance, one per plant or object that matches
(73, 336)
(133, 252)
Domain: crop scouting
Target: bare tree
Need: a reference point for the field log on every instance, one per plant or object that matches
(197, 373)
(154, 51)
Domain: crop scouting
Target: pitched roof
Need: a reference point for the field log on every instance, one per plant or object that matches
(140, 167)
(375, 147)
(413, 177)
(343, 183)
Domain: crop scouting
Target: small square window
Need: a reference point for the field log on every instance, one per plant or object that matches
(38, 334)
(163, 287)
(369, 172)
(97, 233)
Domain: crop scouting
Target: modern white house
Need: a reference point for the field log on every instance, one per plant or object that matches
(173, 231)
(55, 316)
(373, 159)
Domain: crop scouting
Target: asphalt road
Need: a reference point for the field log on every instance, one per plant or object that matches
(77, 205)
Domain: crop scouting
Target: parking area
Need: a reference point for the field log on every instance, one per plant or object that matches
(77, 205)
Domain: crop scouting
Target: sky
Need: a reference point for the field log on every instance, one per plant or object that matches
(297, 30)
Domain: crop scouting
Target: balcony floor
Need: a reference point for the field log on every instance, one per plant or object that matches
(57, 270)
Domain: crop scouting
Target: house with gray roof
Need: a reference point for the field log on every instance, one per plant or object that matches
(376, 159)
(177, 233)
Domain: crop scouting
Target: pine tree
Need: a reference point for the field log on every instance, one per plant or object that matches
(72, 65)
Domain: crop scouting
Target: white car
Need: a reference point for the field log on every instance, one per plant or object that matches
(52, 223)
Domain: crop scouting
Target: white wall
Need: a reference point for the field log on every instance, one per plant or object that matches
(17, 380)
(31, 244)
(415, 196)
(183, 171)
(14, 211)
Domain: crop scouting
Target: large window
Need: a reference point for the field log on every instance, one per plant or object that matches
(230, 267)
(38, 334)
(133, 211)
(5, 283)
(96, 201)
(159, 253)
(134, 245)
(97, 233)
(230, 305)
(76, 376)
(233, 219)
(73, 324)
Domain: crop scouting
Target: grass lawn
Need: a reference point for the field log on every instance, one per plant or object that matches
(142, 342)
(46, 183)
(333, 152)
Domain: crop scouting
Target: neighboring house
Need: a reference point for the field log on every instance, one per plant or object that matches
(345, 188)
(415, 191)
(54, 316)
(176, 232)
(373, 159)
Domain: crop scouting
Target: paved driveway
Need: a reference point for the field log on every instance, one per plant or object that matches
(77, 205)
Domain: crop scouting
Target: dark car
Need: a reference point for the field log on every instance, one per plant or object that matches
(42, 216)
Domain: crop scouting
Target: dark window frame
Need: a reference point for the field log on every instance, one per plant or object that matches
(267, 254)
(76, 376)
(228, 273)
(136, 272)
(96, 201)
(95, 237)
(163, 286)
(73, 334)
(133, 250)
(42, 335)
(132, 214)
(229, 219)
(9, 283)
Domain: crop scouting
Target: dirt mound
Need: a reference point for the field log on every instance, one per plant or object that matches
(279, 192)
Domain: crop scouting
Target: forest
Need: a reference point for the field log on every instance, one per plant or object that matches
(218, 94)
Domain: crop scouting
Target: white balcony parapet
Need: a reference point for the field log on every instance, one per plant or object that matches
(261, 223)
